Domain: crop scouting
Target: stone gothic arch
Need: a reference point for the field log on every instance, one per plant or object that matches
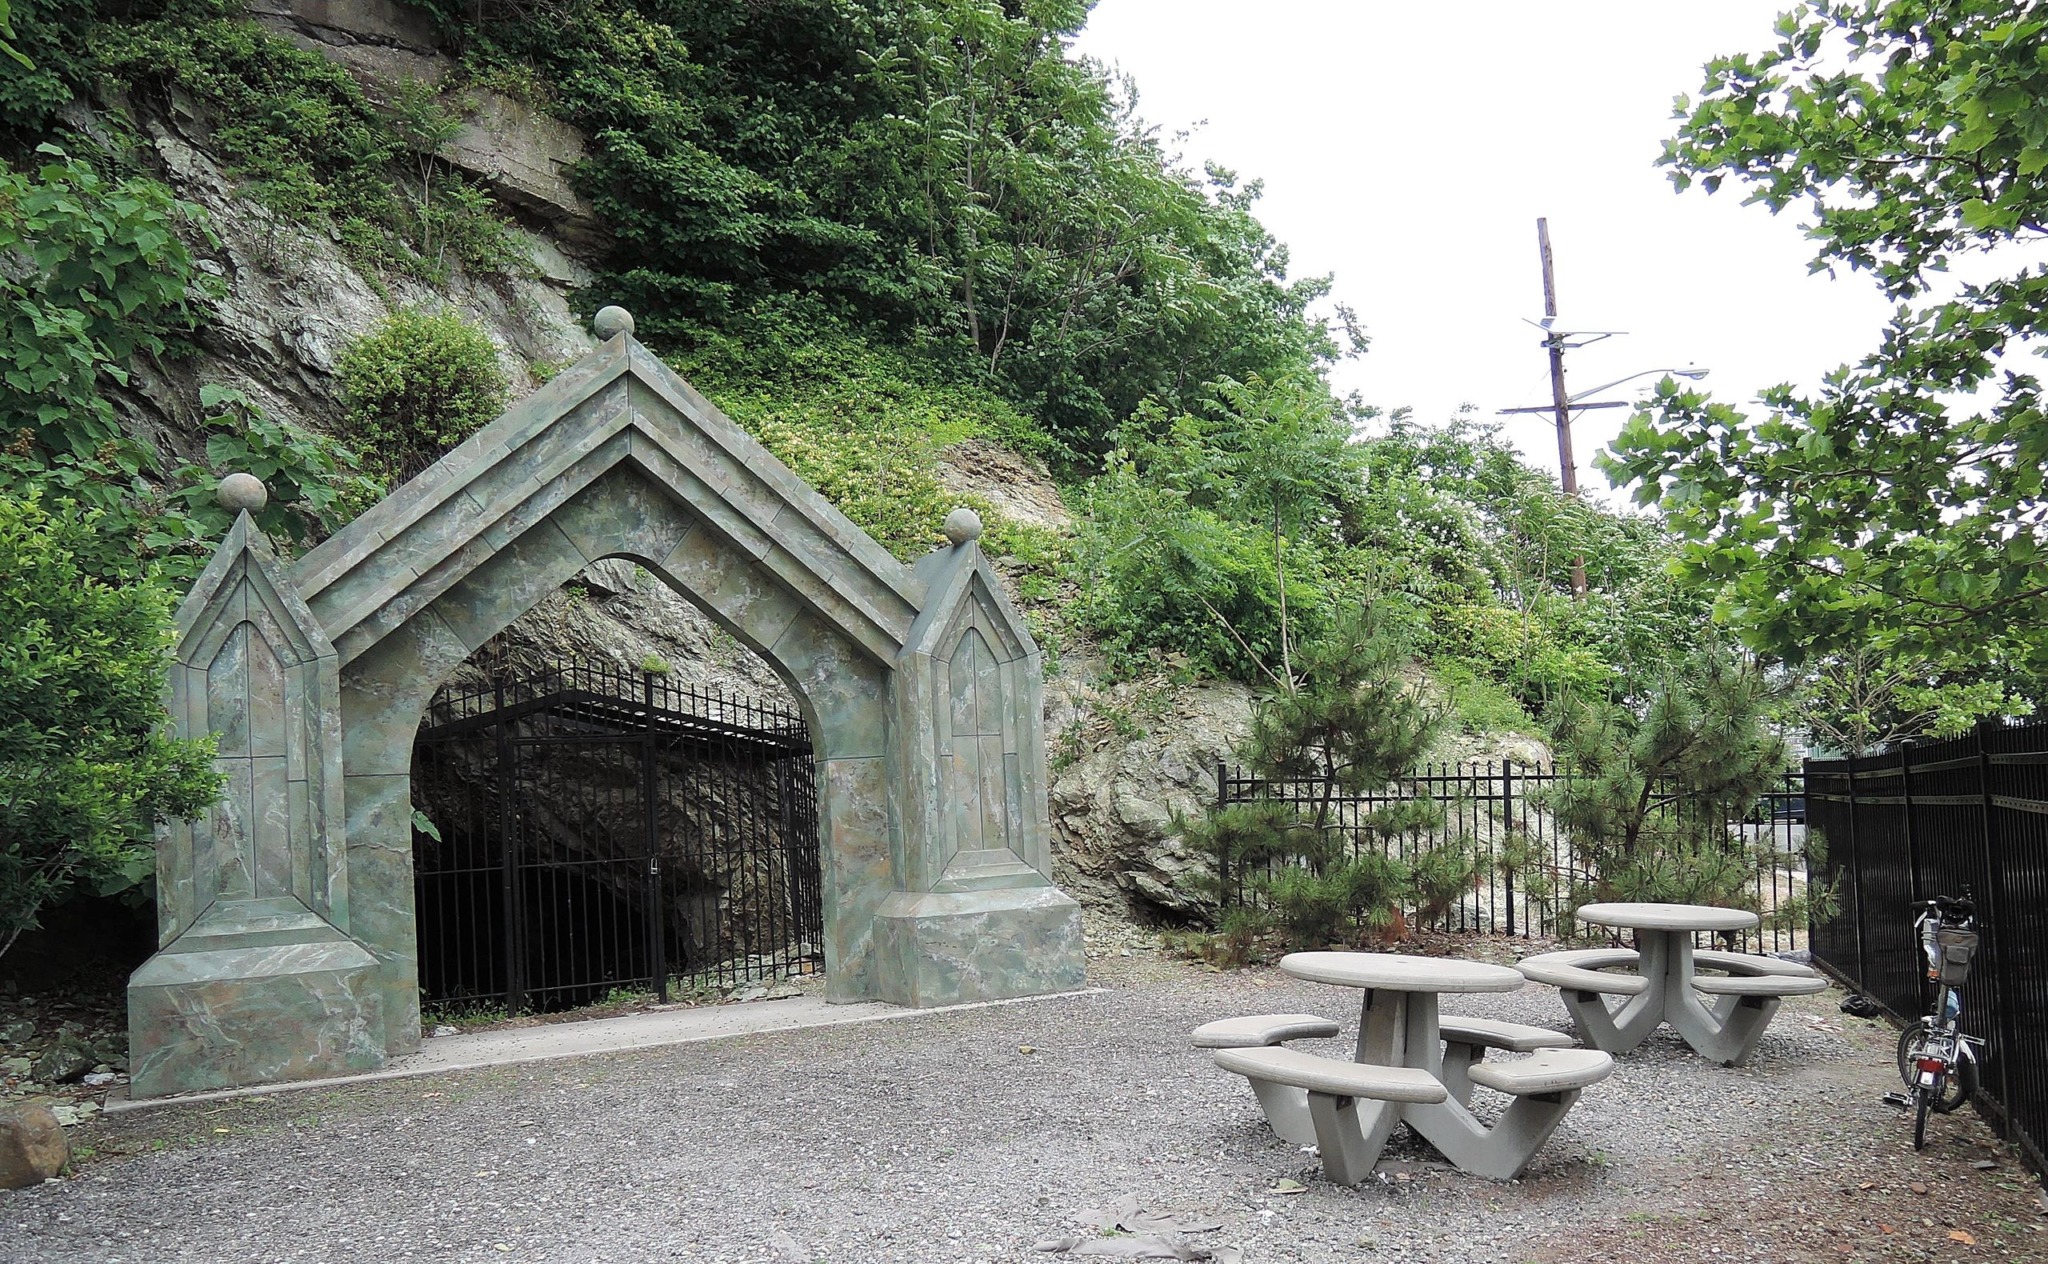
(286, 922)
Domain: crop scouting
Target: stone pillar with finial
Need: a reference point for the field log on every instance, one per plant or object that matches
(978, 902)
(256, 978)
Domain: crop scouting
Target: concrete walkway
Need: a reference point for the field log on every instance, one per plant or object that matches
(545, 1042)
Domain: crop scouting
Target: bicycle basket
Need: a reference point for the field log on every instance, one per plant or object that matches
(1957, 948)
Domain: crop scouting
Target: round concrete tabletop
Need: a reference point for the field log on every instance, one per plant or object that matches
(1667, 916)
(1399, 972)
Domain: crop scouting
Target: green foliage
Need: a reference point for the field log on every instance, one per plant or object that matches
(1860, 701)
(293, 124)
(1444, 527)
(1212, 534)
(298, 131)
(103, 278)
(1351, 723)
(1898, 507)
(85, 772)
(1656, 786)
(313, 484)
(937, 171)
(866, 427)
(51, 57)
(417, 385)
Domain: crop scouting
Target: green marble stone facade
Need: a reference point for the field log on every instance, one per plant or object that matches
(288, 941)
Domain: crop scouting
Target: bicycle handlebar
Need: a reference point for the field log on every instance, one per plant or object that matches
(1946, 905)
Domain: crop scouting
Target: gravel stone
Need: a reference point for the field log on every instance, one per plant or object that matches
(937, 1138)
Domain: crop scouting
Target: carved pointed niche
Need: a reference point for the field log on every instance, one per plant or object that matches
(986, 735)
(254, 667)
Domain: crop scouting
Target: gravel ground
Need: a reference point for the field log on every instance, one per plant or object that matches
(972, 1135)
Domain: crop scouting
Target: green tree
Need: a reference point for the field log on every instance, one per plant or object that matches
(1211, 532)
(86, 772)
(1900, 505)
(1656, 784)
(1350, 722)
(1859, 701)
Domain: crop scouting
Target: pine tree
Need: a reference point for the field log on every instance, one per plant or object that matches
(1346, 723)
(1654, 788)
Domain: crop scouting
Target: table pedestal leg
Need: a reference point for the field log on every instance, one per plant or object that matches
(1350, 1134)
(1502, 1151)
(1727, 1032)
(1628, 1024)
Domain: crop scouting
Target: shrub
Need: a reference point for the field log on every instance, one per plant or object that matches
(86, 773)
(417, 385)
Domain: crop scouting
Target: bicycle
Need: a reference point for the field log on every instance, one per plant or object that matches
(1936, 1060)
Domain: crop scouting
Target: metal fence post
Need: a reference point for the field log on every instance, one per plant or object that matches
(1856, 870)
(1906, 793)
(1225, 897)
(1994, 900)
(1507, 814)
(508, 845)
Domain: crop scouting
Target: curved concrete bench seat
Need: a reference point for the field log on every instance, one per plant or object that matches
(1261, 1029)
(1332, 1077)
(1348, 1136)
(1545, 1071)
(1490, 1033)
(1583, 971)
(1286, 1108)
(1466, 1041)
(1758, 985)
(1750, 963)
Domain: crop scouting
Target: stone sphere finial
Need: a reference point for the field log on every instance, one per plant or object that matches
(242, 491)
(612, 321)
(962, 525)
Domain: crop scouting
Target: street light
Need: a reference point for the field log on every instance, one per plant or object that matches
(1572, 401)
(1693, 374)
(1562, 406)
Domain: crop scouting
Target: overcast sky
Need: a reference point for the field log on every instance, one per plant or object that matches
(1410, 155)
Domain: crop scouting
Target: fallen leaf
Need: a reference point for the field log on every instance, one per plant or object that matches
(1284, 1186)
(1962, 1236)
(220, 1132)
(1884, 1228)
(1918, 1187)
(1027, 1049)
(1868, 1185)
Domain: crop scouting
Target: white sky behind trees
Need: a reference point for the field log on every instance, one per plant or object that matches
(1409, 148)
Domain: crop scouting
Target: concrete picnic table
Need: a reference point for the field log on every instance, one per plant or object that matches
(1665, 986)
(1398, 1029)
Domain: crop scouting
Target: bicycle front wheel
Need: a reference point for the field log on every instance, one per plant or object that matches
(1910, 1041)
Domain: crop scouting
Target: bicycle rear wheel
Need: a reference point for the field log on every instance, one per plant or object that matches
(1922, 1101)
(1960, 1083)
(1961, 1080)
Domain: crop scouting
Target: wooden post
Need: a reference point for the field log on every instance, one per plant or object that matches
(1567, 466)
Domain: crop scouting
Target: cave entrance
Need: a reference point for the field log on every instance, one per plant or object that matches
(588, 828)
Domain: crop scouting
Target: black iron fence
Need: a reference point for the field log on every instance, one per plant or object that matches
(589, 828)
(1923, 821)
(1524, 866)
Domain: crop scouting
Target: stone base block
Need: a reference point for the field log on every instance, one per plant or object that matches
(228, 1017)
(943, 948)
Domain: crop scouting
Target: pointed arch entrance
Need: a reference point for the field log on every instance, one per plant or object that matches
(286, 918)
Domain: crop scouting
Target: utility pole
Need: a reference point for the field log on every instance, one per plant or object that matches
(1561, 406)
(1553, 339)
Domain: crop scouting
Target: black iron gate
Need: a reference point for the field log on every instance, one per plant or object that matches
(590, 829)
